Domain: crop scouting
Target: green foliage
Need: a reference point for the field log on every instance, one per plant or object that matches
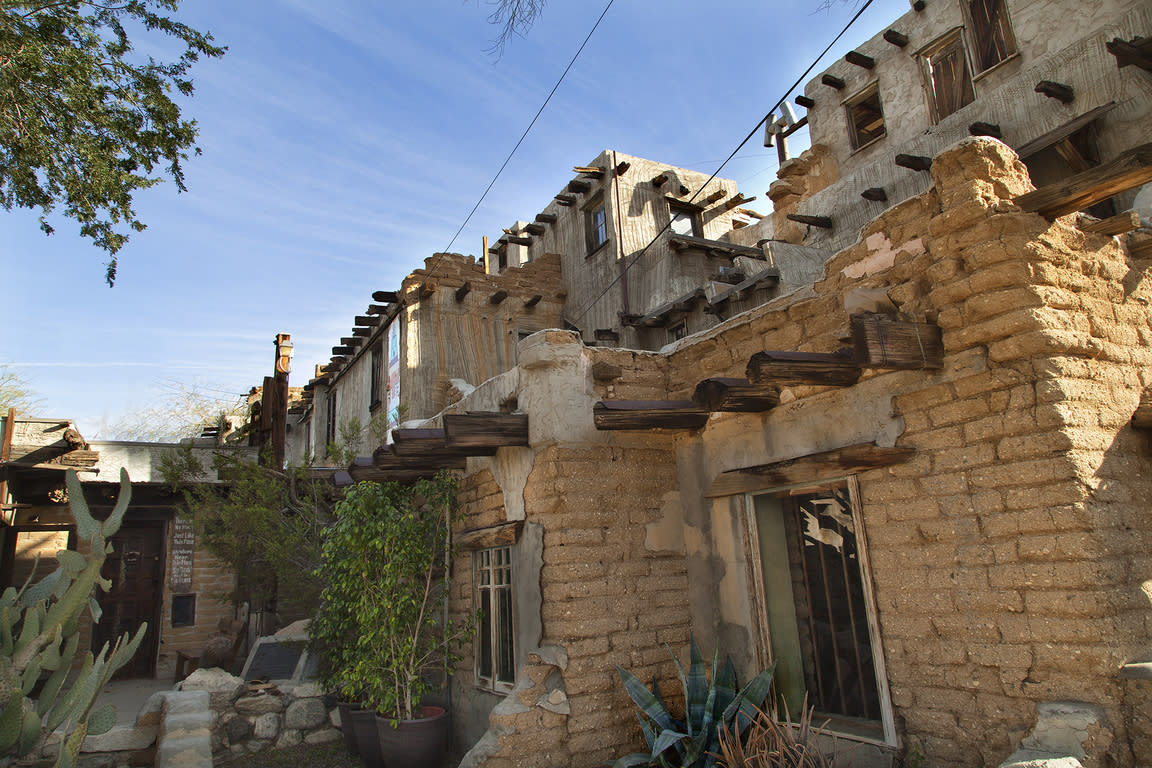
(266, 523)
(84, 120)
(711, 704)
(39, 632)
(380, 626)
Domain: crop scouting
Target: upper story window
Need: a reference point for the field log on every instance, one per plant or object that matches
(865, 117)
(992, 39)
(596, 224)
(495, 647)
(946, 69)
(330, 423)
(376, 385)
(684, 219)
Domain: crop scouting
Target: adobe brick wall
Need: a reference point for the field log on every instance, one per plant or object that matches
(212, 583)
(1008, 556)
(607, 599)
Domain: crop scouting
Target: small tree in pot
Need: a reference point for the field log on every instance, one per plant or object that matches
(382, 621)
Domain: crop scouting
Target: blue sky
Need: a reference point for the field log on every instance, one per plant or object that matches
(345, 141)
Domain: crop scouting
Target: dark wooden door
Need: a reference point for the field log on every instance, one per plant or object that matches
(136, 570)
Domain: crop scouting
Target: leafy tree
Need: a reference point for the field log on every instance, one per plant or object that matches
(84, 120)
(264, 522)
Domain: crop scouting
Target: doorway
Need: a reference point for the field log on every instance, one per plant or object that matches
(136, 570)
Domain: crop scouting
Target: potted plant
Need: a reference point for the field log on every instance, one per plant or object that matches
(382, 620)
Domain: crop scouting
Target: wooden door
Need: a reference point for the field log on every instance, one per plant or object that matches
(136, 570)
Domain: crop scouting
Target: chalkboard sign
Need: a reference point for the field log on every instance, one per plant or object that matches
(275, 661)
(183, 547)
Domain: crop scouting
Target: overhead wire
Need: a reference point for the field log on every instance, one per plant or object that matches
(631, 263)
(523, 136)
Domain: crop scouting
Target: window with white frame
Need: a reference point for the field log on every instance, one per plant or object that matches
(822, 631)
(495, 646)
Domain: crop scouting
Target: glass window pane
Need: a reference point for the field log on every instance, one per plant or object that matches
(507, 668)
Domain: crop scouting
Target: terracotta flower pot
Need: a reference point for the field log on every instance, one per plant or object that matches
(421, 743)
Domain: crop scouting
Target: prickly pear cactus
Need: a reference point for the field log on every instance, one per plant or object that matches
(39, 632)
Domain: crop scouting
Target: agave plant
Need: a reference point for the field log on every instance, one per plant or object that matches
(710, 703)
(772, 743)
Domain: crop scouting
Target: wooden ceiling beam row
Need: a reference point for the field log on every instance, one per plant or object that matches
(879, 341)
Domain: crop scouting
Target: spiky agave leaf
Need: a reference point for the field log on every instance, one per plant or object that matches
(750, 698)
(646, 700)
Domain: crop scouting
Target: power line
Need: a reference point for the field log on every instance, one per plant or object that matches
(732, 154)
(518, 143)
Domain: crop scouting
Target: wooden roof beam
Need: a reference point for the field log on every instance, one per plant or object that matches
(351, 341)
(579, 186)
(535, 229)
(367, 321)
(1115, 225)
(826, 465)
(876, 194)
(1082, 190)
(648, 414)
(463, 291)
(485, 430)
(565, 200)
(823, 222)
(415, 443)
(786, 369)
(860, 59)
(914, 162)
(985, 129)
(386, 297)
(833, 82)
(589, 170)
(805, 102)
(898, 39)
(1059, 91)
(546, 218)
(882, 341)
(622, 167)
(377, 309)
(735, 395)
(1136, 52)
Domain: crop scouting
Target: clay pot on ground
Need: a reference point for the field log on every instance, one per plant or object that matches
(421, 743)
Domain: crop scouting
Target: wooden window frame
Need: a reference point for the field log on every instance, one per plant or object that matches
(377, 378)
(980, 36)
(677, 208)
(596, 234)
(759, 599)
(850, 104)
(330, 423)
(497, 563)
(953, 39)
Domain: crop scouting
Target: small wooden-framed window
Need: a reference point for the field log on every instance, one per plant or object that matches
(992, 38)
(683, 219)
(678, 331)
(495, 635)
(376, 385)
(330, 425)
(946, 72)
(865, 117)
(596, 224)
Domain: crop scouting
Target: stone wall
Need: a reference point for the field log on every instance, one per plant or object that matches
(246, 721)
(1008, 556)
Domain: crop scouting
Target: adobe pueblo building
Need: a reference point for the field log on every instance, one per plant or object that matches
(893, 438)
